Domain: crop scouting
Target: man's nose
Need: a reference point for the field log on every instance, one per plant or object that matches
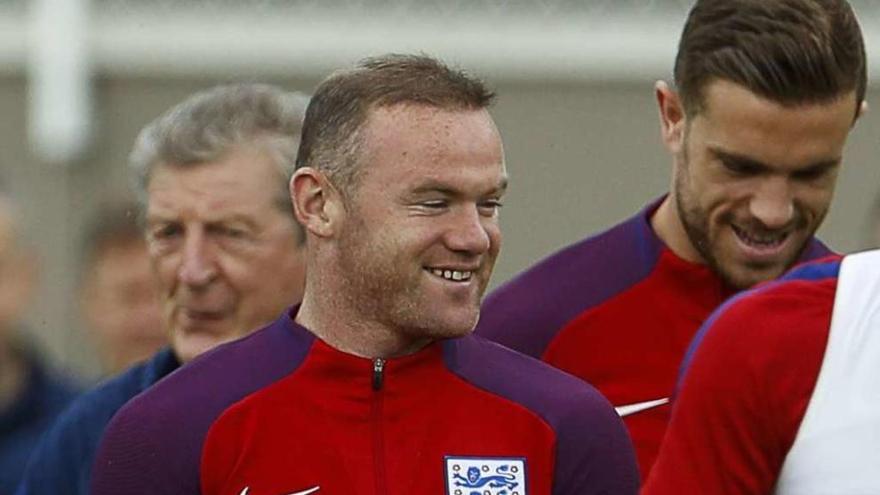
(467, 232)
(772, 203)
(197, 268)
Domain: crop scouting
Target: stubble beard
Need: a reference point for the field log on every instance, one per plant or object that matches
(381, 287)
(696, 225)
(371, 285)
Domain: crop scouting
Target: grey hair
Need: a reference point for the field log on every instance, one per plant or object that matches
(212, 123)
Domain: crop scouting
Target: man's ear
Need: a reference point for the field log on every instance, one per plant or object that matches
(672, 117)
(318, 205)
(863, 109)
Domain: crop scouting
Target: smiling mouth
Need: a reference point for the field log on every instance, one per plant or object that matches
(452, 275)
(763, 242)
(203, 315)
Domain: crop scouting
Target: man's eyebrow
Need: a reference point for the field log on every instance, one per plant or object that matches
(819, 167)
(432, 186)
(737, 159)
(159, 217)
(155, 217)
(758, 165)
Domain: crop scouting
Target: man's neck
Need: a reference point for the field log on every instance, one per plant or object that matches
(668, 226)
(352, 334)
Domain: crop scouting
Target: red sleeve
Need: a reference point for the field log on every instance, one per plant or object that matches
(745, 392)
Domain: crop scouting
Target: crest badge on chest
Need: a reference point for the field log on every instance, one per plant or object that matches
(485, 475)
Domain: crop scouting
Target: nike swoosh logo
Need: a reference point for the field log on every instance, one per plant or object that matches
(307, 492)
(304, 492)
(638, 407)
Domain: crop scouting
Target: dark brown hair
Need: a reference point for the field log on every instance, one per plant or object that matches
(788, 51)
(342, 103)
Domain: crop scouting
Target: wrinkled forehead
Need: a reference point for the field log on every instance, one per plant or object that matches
(242, 183)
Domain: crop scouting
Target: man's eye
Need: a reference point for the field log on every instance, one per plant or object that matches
(811, 174)
(434, 204)
(229, 232)
(234, 233)
(166, 232)
(739, 168)
(491, 206)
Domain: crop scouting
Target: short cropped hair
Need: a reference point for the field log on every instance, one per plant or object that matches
(214, 122)
(341, 104)
(791, 52)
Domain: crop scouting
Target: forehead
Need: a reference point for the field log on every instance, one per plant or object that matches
(244, 182)
(419, 139)
(735, 119)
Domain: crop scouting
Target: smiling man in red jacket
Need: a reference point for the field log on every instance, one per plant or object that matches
(766, 92)
(373, 384)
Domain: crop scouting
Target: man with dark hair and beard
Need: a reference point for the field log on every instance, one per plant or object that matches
(373, 384)
(765, 95)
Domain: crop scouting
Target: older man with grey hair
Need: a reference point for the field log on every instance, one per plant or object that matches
(211, 176)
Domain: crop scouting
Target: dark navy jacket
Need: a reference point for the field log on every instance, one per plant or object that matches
(62, 462)
(23, 422)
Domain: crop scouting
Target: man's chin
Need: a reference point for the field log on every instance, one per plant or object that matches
(458, 327)
(191, 342)
(745, 277)
(444, 324)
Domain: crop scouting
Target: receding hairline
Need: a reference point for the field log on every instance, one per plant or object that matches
(403, 106)
(367, 126)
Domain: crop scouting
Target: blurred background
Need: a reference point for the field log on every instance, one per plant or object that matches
(79, 78)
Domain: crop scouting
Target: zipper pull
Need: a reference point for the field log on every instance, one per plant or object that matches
(378, 370)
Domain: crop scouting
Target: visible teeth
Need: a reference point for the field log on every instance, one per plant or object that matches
(765, 240)
(455, 275)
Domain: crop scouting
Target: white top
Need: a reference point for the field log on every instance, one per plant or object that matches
(837, 448)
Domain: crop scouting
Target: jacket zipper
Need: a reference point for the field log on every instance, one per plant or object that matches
(378, 436)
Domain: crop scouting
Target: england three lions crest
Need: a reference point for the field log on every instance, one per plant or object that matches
(485, 476)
